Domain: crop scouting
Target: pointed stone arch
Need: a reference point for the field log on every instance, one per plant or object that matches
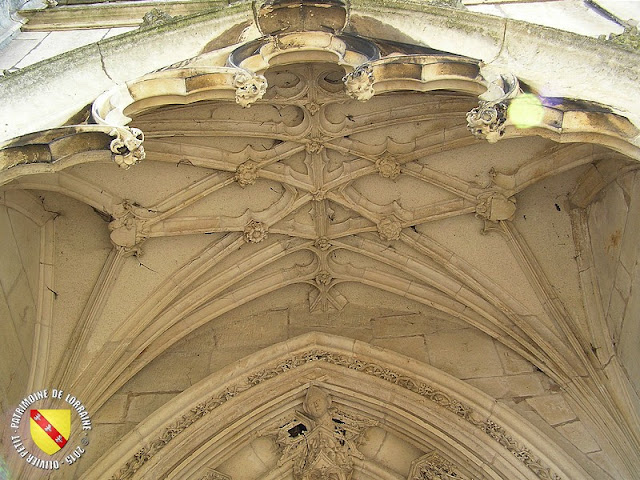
(209, 422)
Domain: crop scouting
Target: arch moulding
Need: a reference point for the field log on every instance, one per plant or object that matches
(200, 428)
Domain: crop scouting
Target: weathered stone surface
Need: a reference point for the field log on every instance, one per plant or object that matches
(553, 408)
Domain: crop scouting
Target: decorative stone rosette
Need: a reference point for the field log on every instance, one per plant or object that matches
(255, 232)
(246, 173)
(389, 228)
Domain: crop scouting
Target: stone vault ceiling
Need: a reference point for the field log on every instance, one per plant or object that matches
(294, 198)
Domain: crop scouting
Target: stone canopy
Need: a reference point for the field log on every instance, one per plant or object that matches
(327, 240)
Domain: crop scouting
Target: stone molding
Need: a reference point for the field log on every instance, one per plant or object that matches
(375, 367)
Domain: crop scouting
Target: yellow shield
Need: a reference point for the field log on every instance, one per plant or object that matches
(50, 429)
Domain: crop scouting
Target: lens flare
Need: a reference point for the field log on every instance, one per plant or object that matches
(525, 111)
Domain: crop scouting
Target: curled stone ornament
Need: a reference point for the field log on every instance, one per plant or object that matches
(246, 173)
(387, 167)
(255, 231)
(127, 146)
(487, 121)
(359, 83)
(249, 88)
(389, 228)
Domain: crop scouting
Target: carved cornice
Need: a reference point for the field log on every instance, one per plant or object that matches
(381, 372)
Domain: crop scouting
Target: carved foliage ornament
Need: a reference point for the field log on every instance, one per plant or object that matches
(359, 83)
(432, 467)
(249, 88)
(388, 167)
(246, 173)
(428, 392)
(389, 228)
(488, 120)
(255, 231)
(321, 446)
(127, 146)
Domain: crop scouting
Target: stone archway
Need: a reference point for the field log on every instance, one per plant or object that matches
(268, 395)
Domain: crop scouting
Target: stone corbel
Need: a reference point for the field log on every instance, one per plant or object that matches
(127, 146)
(488, 120)
(495, 207)
(126, 227)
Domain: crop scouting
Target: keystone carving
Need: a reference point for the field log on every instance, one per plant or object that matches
(127, 146)
(323, 244)
(389, 228)
(314, 147)
(249, 88)
(246, 173)
(494, 206)
(432, 467)
(488, 120)
(387, 167)
(323, 278)
(255, 231)
(321, 442)
(359, 83)
(312, 108)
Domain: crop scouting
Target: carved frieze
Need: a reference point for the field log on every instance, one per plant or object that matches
(429, 392)
(213, 475)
